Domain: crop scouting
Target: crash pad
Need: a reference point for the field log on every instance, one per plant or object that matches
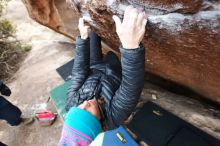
(58, 96)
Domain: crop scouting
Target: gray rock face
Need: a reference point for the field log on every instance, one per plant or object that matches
(182, 37)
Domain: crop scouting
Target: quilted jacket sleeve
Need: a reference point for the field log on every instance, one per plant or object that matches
(80, 69)
(126, 97)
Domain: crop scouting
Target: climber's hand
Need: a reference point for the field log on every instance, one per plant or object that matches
(84, 29)
(131, 30)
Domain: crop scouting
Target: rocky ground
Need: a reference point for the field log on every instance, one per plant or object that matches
(37, 76)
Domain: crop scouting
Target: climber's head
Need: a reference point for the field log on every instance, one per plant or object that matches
(81, 124)
(91, 106)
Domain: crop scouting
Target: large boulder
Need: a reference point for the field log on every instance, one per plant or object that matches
(55, 14)
(182, 37)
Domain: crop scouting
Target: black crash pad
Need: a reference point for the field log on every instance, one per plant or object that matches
(158, 127)
(65, 71)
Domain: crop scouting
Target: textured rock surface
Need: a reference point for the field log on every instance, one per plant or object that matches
(54, 14)
(182, 37)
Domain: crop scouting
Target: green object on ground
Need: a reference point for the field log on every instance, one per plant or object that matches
(58, 95)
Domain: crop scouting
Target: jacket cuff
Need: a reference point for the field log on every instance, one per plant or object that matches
(135, 50)
(80, 41)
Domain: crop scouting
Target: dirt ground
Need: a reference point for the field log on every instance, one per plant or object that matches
(37, 76)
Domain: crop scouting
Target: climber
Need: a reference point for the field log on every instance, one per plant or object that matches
(104, 91)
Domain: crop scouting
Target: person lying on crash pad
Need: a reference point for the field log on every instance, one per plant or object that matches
(104, 90)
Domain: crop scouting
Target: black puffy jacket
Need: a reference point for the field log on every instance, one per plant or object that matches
(120, 88)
